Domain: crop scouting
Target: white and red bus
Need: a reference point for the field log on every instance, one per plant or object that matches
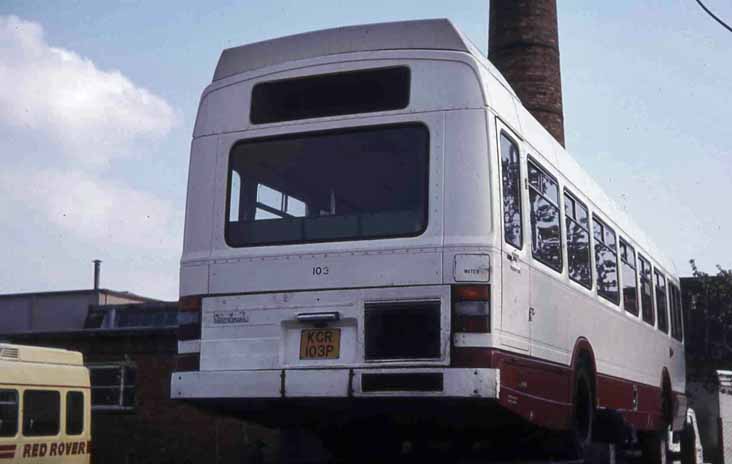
(375, 225)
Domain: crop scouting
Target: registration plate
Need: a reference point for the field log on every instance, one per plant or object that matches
(320, 344)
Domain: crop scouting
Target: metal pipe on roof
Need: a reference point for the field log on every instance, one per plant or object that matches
(97, 271)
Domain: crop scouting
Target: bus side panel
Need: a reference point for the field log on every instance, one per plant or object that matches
(639, 404)
(468, 191)
(199, 216)
(55, 449)
(537, 391)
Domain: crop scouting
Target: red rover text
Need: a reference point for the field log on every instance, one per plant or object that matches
(39, 450)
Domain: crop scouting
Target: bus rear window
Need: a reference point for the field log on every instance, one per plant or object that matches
(330, 186)
(8, 413)
(324, 95)
(41, 413)
(74, 413)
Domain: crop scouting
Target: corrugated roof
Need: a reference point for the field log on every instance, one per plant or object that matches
(428, 34)
(104, 291)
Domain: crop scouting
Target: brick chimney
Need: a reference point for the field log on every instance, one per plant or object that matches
(524, 46)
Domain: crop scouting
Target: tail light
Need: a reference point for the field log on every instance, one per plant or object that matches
(471, 308)
(189, 318)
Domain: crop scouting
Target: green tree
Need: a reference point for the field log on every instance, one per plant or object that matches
(709, 321)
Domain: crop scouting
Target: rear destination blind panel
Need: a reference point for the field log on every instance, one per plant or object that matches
(353, 92)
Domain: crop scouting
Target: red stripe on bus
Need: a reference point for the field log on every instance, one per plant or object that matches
(7, 447)
(540, 391)
(7, 455)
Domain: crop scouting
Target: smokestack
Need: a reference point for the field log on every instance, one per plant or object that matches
(97, 270)
(524, 46)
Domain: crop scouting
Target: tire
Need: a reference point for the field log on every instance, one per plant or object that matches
(688, 445)
(583, 408)
(654, 446)
(583, 411)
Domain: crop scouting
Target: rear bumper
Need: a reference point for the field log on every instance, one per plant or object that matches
(337, 383)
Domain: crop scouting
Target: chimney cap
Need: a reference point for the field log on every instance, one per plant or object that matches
(97, 271)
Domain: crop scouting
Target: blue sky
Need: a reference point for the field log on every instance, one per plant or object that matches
(98, 100)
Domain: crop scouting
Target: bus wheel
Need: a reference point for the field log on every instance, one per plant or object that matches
(583, 416)
(688, 445)
(654, 446)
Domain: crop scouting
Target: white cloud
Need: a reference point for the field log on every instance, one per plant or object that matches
(94, 114)
(65, 126)
(97, 209)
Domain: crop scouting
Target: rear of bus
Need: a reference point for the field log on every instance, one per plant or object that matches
(338, 240)
(45, 406)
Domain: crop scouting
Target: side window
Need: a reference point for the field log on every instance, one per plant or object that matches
(578, 240)
(74, 413)
(675, 303)
(8, 413)
(606, 261)
(630, 285)
(646, 282)
(546, 233)
(511, 174)
(661, 302)
(41, 413)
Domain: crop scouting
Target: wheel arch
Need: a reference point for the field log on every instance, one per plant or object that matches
(583, 353)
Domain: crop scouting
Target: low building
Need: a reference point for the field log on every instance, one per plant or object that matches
(131, 351)
(56, 311)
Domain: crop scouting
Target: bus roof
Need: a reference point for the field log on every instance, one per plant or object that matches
(36, 354)
(428, 34)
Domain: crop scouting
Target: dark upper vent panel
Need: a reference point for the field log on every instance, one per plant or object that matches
(324, 95)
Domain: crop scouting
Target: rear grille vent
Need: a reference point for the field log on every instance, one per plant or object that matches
(420, 382)
(9, 353)
(409, 330)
